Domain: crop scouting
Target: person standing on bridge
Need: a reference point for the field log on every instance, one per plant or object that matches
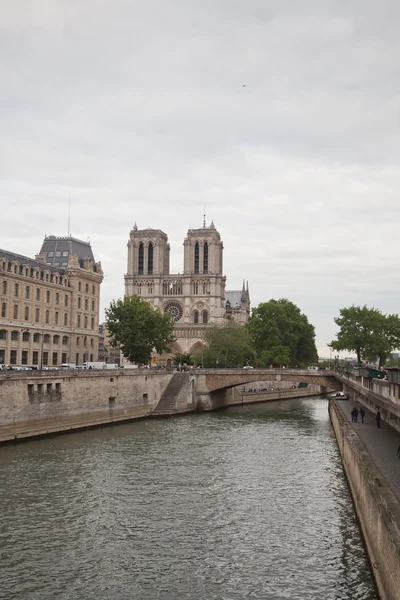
(362, 414)
(378, 419)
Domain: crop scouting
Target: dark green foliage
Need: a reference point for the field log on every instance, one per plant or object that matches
(282, 335)
(138, 328)
(183, 359)
(367, 332)
(229, 345)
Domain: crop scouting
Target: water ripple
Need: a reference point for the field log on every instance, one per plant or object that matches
(246, 503)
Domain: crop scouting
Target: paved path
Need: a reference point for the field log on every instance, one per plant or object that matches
(381, 444)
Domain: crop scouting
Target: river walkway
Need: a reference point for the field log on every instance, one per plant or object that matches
(381, 444)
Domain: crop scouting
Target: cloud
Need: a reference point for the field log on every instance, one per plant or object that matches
(137, 112)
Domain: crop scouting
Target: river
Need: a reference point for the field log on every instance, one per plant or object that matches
(246, 503)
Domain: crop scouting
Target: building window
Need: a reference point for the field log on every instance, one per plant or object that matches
(66, 301)
(91, 342)
(196, 257)
(80, 286)
(13, 357)
(65, 341)
(48, 297)
(56, 317)
(3, 309)
(24, 357)
(35, 357)
(4, 287)
(25, 336)
(37, 293)
(205, 258)
(56, 339)
(16, 290)
(27, 292)
(93, 290)
(65, 320)
(50, 254)
(64, 357)
(26, 313)
(78, 341)
(87, 288)
(58, 254)
(205, 316)
(37, 315)
(3, 334)
(141, 259)
(57, 298)
(46, 339)
(85, 322)
(195, 288)
(92, 323)
(79, 320)
(93, 306)
(47, 316)
(77, 359)
(196, 317)
(15, 311)
(55, 358)
(150, 259)
(79, 302)
(45, 358)
(14, 336)
(65, 253)
(36, 337)
(86, 304)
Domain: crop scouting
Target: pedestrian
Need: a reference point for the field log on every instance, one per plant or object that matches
(356, 414)
(378, 419)
(353, 415)
(398, 452)
(362, 414)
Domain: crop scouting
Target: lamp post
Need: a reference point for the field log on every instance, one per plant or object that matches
(41, 352)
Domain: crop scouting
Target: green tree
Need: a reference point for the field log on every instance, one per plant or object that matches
(228, 345)
(282, 335)
(367, 332)
(183, 359)
(138, 328)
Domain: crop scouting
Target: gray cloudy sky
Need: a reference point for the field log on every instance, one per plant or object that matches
(137, 111)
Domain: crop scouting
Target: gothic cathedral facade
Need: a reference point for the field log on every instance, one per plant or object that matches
(196, 298)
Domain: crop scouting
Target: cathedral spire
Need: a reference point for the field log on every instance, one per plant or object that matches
(204, 216)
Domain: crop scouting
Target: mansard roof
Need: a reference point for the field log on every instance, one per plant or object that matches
(65, 246)
(25, 260)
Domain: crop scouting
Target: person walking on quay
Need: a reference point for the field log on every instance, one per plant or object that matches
(353, 415)
(356, 414)
(362, 414)
(378, 419)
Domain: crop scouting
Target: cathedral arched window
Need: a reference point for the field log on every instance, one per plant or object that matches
(196, 317)
(141, 259)
(150, 259)
(205, 316)
(196, 257)
(195, 288)
(205, 258)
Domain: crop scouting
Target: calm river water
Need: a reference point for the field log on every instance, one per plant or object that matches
(250, 502)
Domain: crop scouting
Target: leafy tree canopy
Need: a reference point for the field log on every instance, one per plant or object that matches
(229, 345)
(367, 332)
(183, 359)
(138, 328)
(282, 335)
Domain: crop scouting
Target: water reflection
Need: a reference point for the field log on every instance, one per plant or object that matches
(250, 502)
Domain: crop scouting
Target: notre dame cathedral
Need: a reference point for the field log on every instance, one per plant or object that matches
(195, 298)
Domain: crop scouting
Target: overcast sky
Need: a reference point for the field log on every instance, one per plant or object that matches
(282, 117)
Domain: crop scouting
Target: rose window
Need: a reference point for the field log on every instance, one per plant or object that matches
(175, 310)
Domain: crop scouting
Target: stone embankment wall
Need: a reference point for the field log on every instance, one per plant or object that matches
(377, 507)
(39, 403)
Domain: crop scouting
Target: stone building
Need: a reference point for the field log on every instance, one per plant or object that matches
(50, 304)
(195, 298)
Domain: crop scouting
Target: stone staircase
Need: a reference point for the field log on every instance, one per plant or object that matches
(170, 395)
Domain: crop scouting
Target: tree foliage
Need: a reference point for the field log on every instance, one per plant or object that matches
(282, 335)
(367, 332)
(183, 359)
(228, 345)
(138, 328)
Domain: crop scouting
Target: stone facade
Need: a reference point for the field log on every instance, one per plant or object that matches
(195, 298)
(50, 305)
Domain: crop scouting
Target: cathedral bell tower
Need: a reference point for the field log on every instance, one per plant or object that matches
(148, 257)
(203, 252)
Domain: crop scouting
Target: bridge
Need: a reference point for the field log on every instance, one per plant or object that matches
(211, 385)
